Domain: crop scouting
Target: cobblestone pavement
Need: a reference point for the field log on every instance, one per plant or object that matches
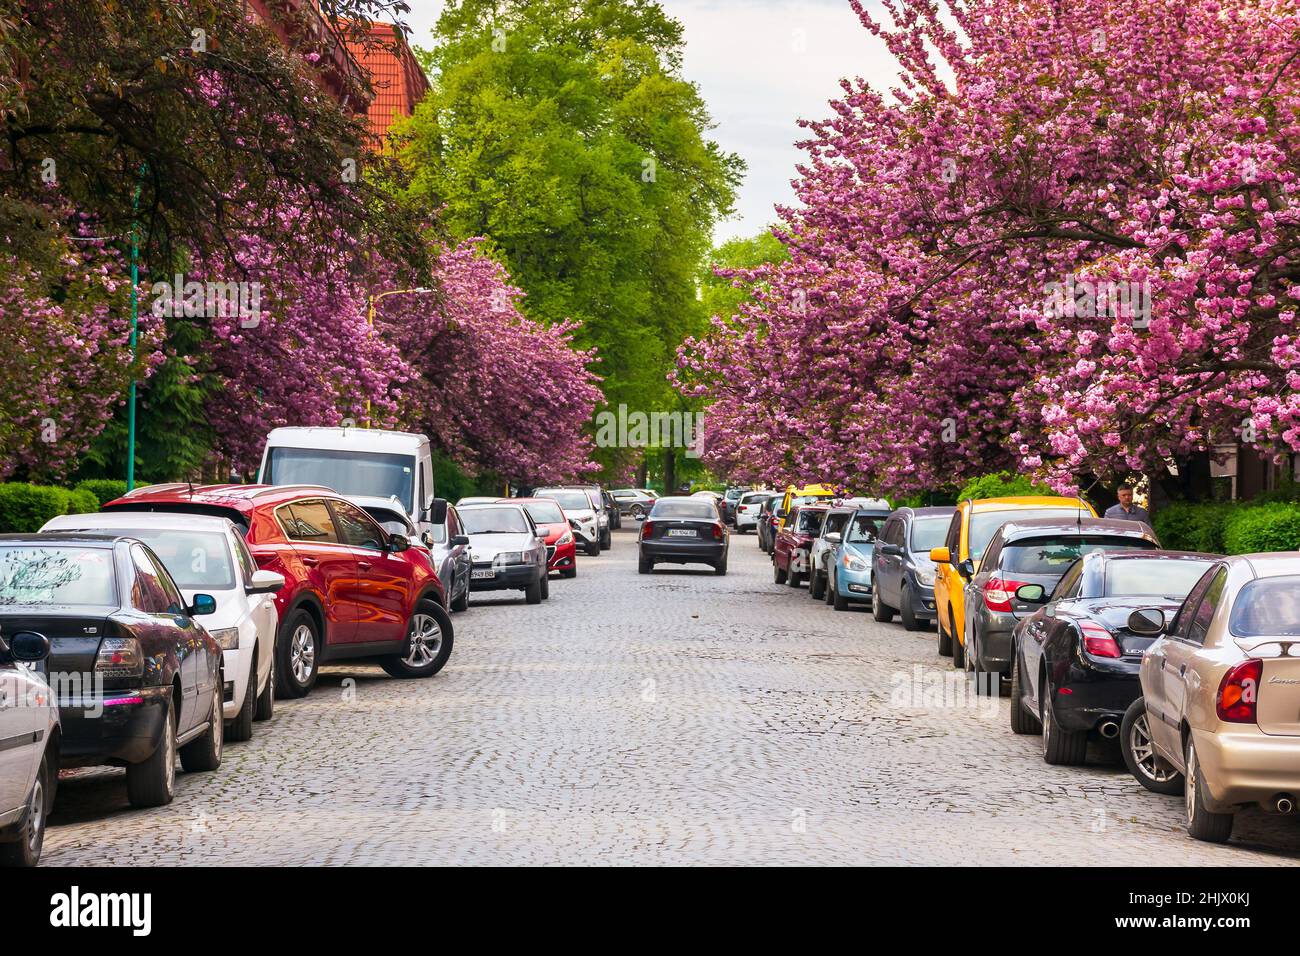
(675, 718)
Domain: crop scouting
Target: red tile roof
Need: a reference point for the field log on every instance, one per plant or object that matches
(396, 77)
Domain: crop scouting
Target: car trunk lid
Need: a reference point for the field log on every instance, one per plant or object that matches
(1278, 702)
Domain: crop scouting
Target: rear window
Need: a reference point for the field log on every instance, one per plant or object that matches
(1053, 555)
(57, 576)
(984, 524)
(1267, 607)
(699, 510)
(1151, 576)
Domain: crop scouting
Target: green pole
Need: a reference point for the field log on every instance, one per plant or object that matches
(135, 324)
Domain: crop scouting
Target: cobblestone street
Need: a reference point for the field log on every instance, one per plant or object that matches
(670, 719)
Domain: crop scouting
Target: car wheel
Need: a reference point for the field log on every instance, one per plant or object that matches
(817, 586)
(266, 699)
(778, 573)
(838, 600)
(569, 573)
(592, 548)
(1061, 748)
(606, 540)
(430, 635)
(720, 569)
(905, 613)
(1022, 721)
(205, 752)
(546, 586)
(881, 611)
(241, 728)
(152, 782)
(793, 578)
(1202, 823)
(459, 603)
(644, 565)
(958, 649)
(1147, 767)
(830, 587)
(26, 850)
(533, 593)
(299, 656)
(945, 639)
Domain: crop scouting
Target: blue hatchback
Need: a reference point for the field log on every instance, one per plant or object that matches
(850, 567)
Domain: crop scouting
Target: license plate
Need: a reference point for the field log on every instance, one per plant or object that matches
(485, 573)
(681, 533)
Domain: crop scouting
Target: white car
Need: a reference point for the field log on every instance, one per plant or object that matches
(29, 742)
(748, 509)
(207, 554)
(507, 552)
(576, 503)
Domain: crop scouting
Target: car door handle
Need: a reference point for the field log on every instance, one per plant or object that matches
(310, 562)
(1182, 671)
(364, 565)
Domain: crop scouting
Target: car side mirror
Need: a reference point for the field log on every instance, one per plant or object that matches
(436, 513)
(29, 647)
(1147, 621)
(398, 543)
(203, 604)
(966, 569)
(940, 556)
(891, 549)
(834, 537)
(1031, 594)
(781, 515)
(460, 539)
(264, 582)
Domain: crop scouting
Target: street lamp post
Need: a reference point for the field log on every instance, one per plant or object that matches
(370, 319)
(135, 327)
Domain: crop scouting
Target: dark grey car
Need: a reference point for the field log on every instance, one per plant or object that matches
(901, 565)
(1032, 551)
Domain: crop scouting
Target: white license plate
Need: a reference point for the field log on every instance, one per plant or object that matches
(681, 533)
(485, 573)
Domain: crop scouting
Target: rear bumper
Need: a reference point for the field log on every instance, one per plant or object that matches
(1248, 765)
(121, 727)
(1096, 696)
(684, 552)
(994, 629)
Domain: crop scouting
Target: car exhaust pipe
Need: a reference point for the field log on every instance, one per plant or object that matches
(1285, 803)
(1109, 729)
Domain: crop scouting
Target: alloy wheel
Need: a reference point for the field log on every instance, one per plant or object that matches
(1144, 754)
(1189, 784)
(36, 815)
(426, 640)
(302, 653)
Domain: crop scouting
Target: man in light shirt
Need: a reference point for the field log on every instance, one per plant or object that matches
(1126, 509)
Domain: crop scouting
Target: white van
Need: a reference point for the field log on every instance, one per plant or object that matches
(365, 464)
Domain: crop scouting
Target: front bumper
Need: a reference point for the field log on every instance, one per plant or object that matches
(1246, 765)
(510, 577)
(562, 557)
(236, 664)
(923, 608)
(117, 728)
(854, 585)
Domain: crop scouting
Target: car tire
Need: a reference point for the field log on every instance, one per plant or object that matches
(26, 850)
(569, 573)
(880, 611)
(241, 726)
(606, 540)
(945, 639)
(794, 579)
(546, 586)
(644, 565)
(266, 699)
(906, 616)
(460, 603)
(592, 549)
(958, 648)
(204, 754)
(778, 574)
(1147, 767)
(423, 658)
(152, 782)
(838, 600)
(533, 593)
(720, 569)
(1061, 748)
(830, 587)
(299, 649)
(1202, 823)
(1022, 721)
(817, 586)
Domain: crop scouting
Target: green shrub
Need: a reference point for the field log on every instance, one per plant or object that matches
(104, 489)
(1272, 526)
(24, 508)
(1194, 526)
(1001, 485)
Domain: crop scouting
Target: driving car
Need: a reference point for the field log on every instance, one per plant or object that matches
(583, 517)
(748, 509)
(448, 548)
(29, 747)
(352, 590)
(901, 569)
(1075, 659)
(957, 559)
(1031, 551)
(850, 561)
(553, 524)
(507, 550)
(205, 553)
(790, 553)
(683, 530)
(822, 549)
(633, 502)
(1221, 689)
(137, 677)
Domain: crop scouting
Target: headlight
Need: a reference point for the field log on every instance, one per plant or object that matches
(227, 637)
(924, 577)
(564, 539)
(509, 557)
(854, 563)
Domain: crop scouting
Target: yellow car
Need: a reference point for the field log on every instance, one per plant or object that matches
(808, 494)
(957, 562)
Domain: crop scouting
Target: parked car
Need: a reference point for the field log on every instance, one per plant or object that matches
(206, 554)
(850, 580)
(730, 499)
(767, 523)
(477, 500)
(582, 515)
(901, 569)
(796, 495)
(957, 559)
(748, 509)
(611, 509)
(448, 548)
(140, 678)
(1075, 660)
(1031, 551)
(683, 530)
(793, 543)
(633, 502)
(822, 551)
(352, 590)
(561, 551)
(1221, 689)
(29, 745)
(508, 550)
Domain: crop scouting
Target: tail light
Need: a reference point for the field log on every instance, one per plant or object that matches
(1239, 693)
(998, 594)
(1098, 641)
(119, 657)
(647, 529)
(717, 532)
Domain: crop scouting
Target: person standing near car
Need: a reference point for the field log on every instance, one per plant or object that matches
(1126, 509)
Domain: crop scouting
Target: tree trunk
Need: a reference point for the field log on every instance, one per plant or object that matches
(670, 471)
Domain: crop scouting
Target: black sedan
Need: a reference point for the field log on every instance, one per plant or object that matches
(138, 679)
(1074, 661)
(683, 531)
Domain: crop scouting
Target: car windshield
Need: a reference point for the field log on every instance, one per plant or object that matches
(569, 500)
(371, 474)
(809, 521)
(487, 520)
(1267, 607)
(697, 509)
(56, 576)
(928, 531)
(1052, 555)
(545, 512)
(984, 524)
(1163, 576)
(865, 528)
(197, 560)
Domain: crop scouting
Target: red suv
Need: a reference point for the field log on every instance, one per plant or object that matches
(790, 551)
(551, 521)
(351, 588)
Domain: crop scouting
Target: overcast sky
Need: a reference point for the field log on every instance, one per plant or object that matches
(760, 65)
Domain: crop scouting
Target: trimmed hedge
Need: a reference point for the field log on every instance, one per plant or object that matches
(1001, 485)
(24, 508)
(1184, 526)
(1230, 528)
(104, 489)
(1273, 526)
